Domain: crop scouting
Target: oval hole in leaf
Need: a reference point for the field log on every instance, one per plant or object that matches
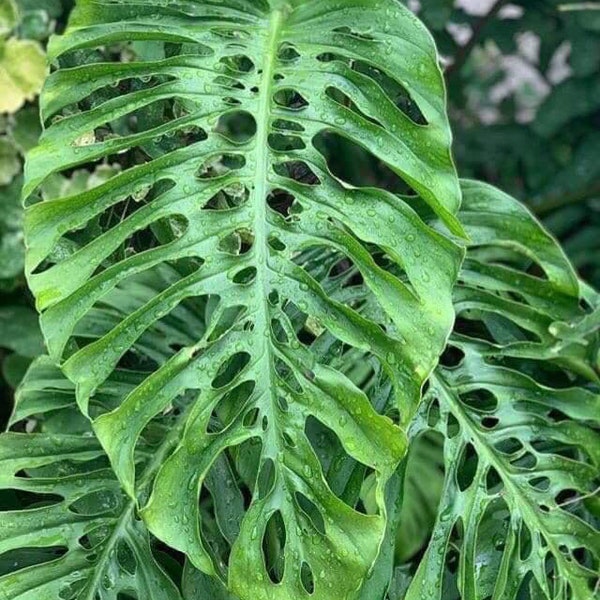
(273, 547)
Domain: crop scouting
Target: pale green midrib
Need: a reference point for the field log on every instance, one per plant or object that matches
(130, 506)
(260, 224)
(482, 447)
(262, 154)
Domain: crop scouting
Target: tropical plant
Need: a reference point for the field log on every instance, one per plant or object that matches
(255, 356)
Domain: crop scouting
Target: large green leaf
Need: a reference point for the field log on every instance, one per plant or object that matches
(221, 132)
(520, 454)
(72, 533)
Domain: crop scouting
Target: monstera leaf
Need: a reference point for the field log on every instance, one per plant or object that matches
(521, 448)
(74, 534)
(79, 536)
(219, 124)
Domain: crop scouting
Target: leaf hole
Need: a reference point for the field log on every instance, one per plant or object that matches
(433, 414)
(278, 332)
(452, 426)
(285, 143)
(309, 508)
(288, 440)
(250, 418)
(238, 63)
(287, 376)
(96, 503)
(452, 357)
(540, 483)
(283, 203)
(290, 99)
(266, 479)
(287, 53)
(288, 125)
(364, 36)
(297, 170)
(336, 149)
(525, 542)
(307, 578)
(344, 475)
(230, 369)
(230, 405)
(220, 165)
(493, 481)
(482, 401)
(345, 101)
(276, 244)
(237, 243)
(527, 461)
(467, 467)
(510, 446)
(245, 277)
(126, 558)
(237, 126)
(490, 422)
(273, 547)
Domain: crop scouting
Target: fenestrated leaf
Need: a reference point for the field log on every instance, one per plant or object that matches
(520, 454)
(76, 536)
(225, 123)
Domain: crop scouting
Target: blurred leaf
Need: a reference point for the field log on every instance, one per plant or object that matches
(14, 368)
(435, 13)
(10, 164)
(54, 8)
(585, 52)
(8, 16)
(12, 249)
(27, 128)
(198, 585)
(571, 99)
(20, 332)
(36, 25)
(22, 73)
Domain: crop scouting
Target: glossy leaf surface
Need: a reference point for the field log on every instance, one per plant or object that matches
(521, 453)
(220, 116)
(80, 538)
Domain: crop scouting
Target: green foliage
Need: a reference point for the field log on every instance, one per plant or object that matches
(88, 543)
(24, 29)
(217, 189)
(519, 452)
(289, 353)
(525, 97)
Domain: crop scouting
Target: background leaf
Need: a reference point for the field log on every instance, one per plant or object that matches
(520, 453)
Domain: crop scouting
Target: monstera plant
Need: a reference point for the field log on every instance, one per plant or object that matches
(292, 382)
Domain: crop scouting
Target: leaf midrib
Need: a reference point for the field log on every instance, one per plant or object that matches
(260, 191)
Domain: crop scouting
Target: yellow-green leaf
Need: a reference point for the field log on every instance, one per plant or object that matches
(22, 73)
